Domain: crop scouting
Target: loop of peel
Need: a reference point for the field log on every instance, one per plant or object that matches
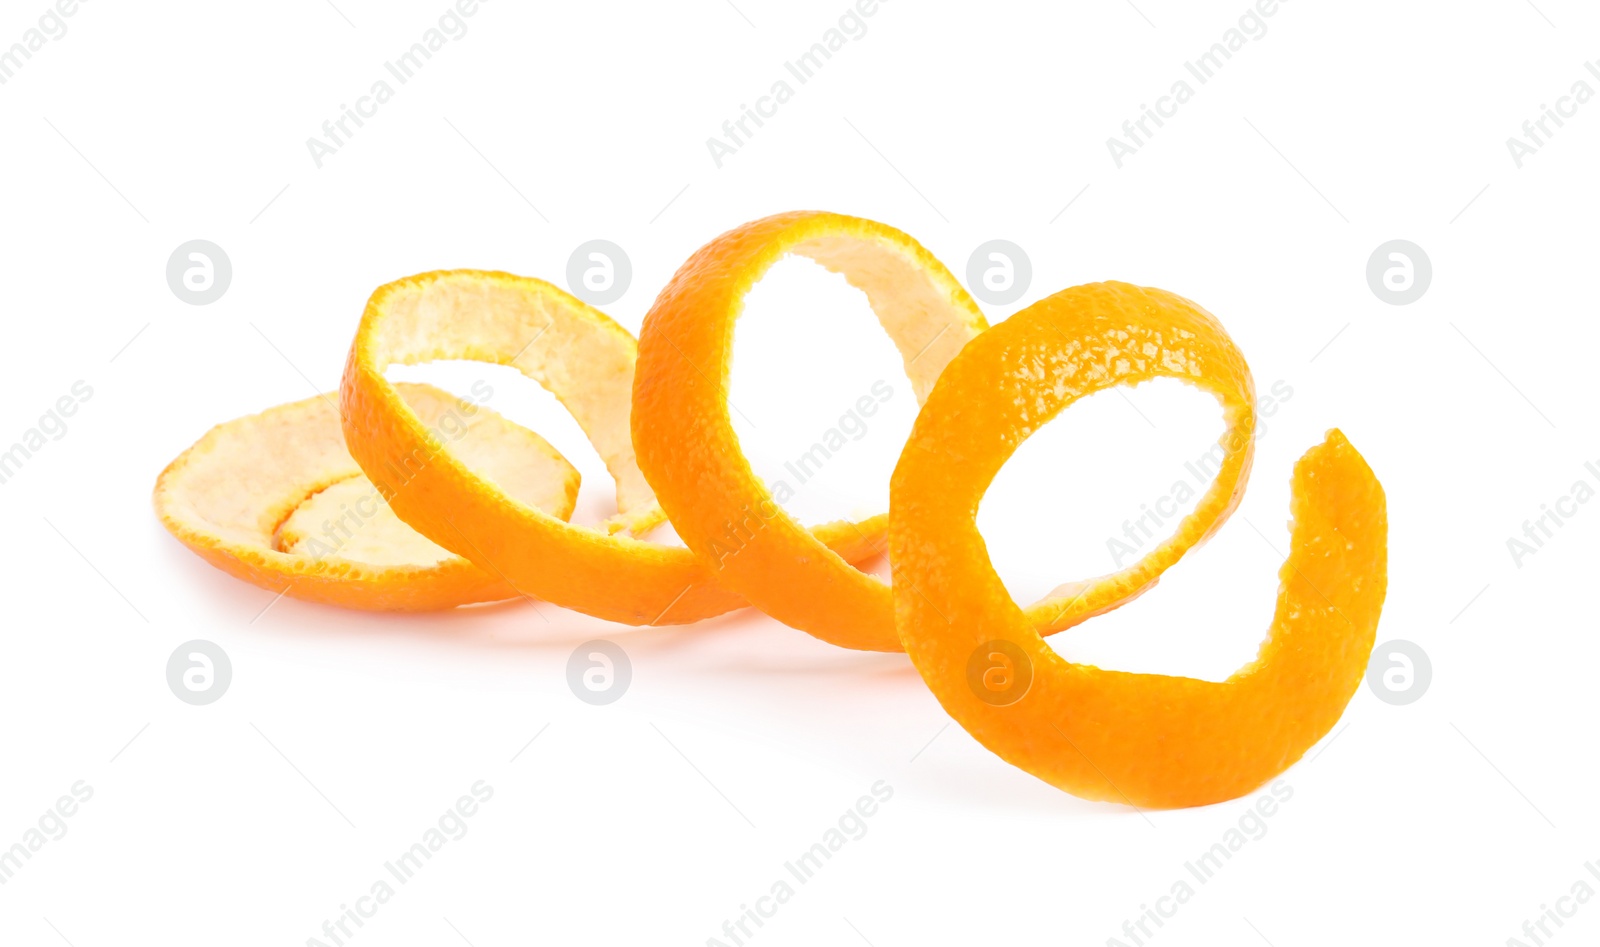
(481, 513)
(276, 499)
(587, 361)
(690, 453)
(1142, 739)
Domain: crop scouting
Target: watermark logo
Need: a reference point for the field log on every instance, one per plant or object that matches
(1137, 132)
(338, 132)
(999, 272)
(599, 672)
(50, 827)
(852, 426)
(1399, 272)
(199, 272)
(199, 672)
(851, 826)
(451, 826)
(599, 272)
(1250, 827)
(1551, 918)
(1154, 516)
(1537, 132)
(737, 132)
(999, 673)
(1552, 516)
(52, 26)
(1399, 672)
(361, 510)
(52, 426)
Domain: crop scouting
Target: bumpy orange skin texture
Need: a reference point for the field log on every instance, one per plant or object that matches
(587, 361)
(1142, 739)
(228, 496)
(487, 505)
(690, 453)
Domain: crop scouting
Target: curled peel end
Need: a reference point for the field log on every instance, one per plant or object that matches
(1148, 740)
(275, 499)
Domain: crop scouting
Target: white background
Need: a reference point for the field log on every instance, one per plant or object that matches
(344, 735)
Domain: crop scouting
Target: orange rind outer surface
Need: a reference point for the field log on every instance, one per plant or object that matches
(587, 361)
(275, 499)
(1147, 740)
(689, 451)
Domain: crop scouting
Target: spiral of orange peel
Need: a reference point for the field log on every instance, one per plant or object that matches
(1143, 739)
(587, 361)
(690, 453)
(428, 501)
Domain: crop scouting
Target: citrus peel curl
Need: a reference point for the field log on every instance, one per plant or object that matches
(1143, 739)
(690, 453)
(586, 360)
(478, 510)
(276, 499)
